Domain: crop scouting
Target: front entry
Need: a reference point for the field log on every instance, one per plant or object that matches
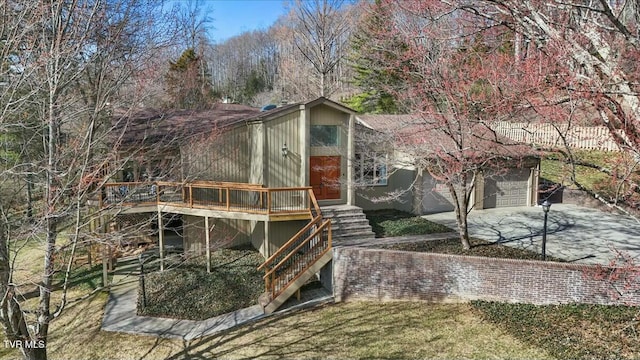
(325, 176)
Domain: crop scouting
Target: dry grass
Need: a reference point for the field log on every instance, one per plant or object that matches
(362, 330)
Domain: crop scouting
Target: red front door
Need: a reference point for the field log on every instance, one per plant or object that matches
(325, 177)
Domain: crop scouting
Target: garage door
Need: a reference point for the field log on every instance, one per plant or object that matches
(506, 190)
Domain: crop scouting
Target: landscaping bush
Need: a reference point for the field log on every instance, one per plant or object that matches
(189, 292)
(478, 248)
(388, 223)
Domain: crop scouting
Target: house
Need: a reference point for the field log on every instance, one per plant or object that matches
(512, 180)
(238, 175)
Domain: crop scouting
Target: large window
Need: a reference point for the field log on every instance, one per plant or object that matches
(325, 135)
(371, 169)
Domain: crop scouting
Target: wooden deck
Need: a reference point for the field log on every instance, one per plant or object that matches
(213, 199)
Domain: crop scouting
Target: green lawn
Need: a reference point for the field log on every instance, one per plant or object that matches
(554, 168)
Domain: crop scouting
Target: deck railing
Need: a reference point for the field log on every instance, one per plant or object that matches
(296, 255)
(226, 196)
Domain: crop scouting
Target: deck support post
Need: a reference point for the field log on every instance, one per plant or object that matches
(207, 238)
(161, 239)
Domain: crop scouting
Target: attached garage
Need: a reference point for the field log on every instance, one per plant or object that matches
(506, 172)
(507, 190)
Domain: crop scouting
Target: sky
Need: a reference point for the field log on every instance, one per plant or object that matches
(233, 17)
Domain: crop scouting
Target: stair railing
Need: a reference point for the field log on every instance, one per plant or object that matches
(304, 248)
(296, 256)
(314, 208)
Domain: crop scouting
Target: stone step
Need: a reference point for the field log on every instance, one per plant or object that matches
(348, 227)
(351, 239)
(348, 222)
(367, 234)
(342, 212)
(347, 219)
(345, 224)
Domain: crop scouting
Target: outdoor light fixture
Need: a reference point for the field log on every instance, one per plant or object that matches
(285, 150)
(546, 205)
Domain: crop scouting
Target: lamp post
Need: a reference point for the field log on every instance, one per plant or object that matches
(546, 205)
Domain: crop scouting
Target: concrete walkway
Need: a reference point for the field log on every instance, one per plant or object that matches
(120, 313)
(574, 233)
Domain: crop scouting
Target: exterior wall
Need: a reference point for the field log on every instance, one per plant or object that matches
(226, 157)
(434, 197)
(400, 180)
(283, 171)
(400, 275)
(224, 233)
(325, 115)
(281, 232)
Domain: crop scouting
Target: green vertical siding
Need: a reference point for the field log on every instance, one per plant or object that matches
(224, 233)
(376, 197)
(281, 232)
(283, 171)
(223, 158)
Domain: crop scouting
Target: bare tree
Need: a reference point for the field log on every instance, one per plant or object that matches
(244, 66)
(319, 30)
(68, 61)
(193, 21)
(588, 55)
(450, 84)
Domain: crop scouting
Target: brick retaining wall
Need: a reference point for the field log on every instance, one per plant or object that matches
(399, 275)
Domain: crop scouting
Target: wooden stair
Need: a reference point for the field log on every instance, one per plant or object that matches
(295, 262)
(301, 279)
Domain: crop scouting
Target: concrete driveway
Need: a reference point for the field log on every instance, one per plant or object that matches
(574, 233)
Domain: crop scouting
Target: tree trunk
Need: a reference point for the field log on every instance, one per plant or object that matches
(29, 199)
(461, 214)
(461, 219)
(35, 353)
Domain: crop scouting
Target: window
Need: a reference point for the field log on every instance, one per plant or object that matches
(371, 169)
(325, 135)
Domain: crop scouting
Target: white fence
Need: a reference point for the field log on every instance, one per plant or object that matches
(546, 135)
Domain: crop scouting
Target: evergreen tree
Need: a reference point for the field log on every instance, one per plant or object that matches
(188, 82)
(370, 73)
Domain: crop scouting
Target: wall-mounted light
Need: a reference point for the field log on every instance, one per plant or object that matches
(285, 150)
